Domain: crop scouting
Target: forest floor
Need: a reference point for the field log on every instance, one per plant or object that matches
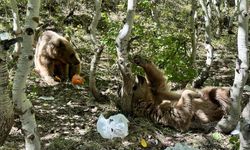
(67, 115)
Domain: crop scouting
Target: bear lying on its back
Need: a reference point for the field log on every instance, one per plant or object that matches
(55, 58)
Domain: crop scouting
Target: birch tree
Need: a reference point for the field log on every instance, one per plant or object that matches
(229, 122)
(198, 82)
(6, 105)
(245, 128)
(123, 63)
(217, 4)
(98, 51)
(23, 106)
(16, 27)
(193, 16)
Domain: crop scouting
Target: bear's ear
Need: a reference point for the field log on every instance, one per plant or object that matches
(58, 43)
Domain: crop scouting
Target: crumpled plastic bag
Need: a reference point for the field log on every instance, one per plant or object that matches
(114, 126)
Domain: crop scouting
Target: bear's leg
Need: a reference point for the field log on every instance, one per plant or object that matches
(46, 70)
(74, 69)
(155, 77)
(64, 71)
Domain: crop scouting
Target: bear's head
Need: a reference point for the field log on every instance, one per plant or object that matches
(141, 89)
(65, 52)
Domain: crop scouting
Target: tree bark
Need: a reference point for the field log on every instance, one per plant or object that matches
(123, 63)
(6, 105)
(193, 30)
(229, 122)
(217, 4)
(155, 13)
(98, 51)
(245, 128)
(16, 27)
(23, 106)
(199, 81)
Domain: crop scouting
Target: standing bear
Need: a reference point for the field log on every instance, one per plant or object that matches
(55, 58)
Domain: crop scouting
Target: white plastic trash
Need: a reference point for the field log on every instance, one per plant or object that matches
(114, 126)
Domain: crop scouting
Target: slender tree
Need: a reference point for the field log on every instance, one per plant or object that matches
(6, 105)
(229, 122)
(123, 63)
(155, 12)
(22, 105)
(16, 27)
(193, 16)
(245, 128)
(217, 4)
(98, 51)
(199, 81)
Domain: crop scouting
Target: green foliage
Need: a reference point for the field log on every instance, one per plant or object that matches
(235, 141)
(216, 136)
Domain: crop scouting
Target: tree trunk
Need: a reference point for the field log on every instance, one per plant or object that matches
(217, 4)
(6, 105)
(229, 122)
(23, 106)
(155, 13)
(193, 31)
(98, 51)
(123, 63)
(199, 81)
(16, 27)
(245, 128)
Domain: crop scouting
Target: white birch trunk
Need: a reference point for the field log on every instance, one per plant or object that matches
(98, 51)
(23, 106)
(16, 27)
(199, 81)
(6, 105)
(229, 122)
(217, 4)
(193, 31)
(123, 63)
(245, 128)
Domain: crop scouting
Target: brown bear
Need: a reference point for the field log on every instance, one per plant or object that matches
(153, 99)
(55, 58)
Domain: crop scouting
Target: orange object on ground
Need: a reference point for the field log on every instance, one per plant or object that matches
(77, 80)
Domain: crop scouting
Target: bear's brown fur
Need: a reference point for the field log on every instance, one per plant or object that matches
(152, 98)
(55, 58)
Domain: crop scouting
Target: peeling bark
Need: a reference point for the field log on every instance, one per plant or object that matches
(123, 63)
(22, 105)
(6, 105)
(229, 122)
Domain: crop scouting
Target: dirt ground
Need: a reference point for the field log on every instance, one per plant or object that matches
(67, 115)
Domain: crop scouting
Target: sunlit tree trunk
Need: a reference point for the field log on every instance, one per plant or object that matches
(16, 27)
(193, 30)
(155, 12)
(217, 4)
(23, 106)
(123, 63)
(232, 18)
(6, 105)
(229, 122)
(98, 51)
(199, 81)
